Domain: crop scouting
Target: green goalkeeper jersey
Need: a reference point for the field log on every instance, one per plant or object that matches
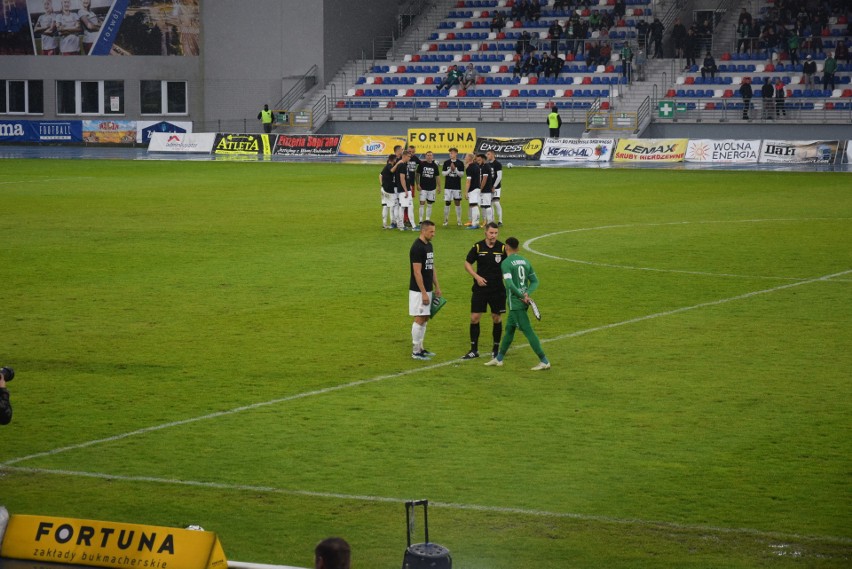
(519, 278)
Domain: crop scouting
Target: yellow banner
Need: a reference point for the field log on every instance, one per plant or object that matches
(650, 150)
(110, 544)
(440, 140)
(364, 145)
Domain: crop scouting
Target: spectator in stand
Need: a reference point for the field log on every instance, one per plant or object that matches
(793, 48)
(556, 65)
(595, 21)
(809, 69)
(626, 62)
(642, 33)
(767, 93)
(618, 9)
(746, 93)
(829, 68)
(470, 76)
(678, 38)
(605, 54)
(709, 66)
(744, 36)
(533, 10)
(533, 65)
(519, 65)
(561, 5)
(498, 22)
(657, 29)
(453, 77)
(690, 48)
(524, 43)
(780, 108)
(519, 8)
(745, 17)
(544, 64)
(842, 51)
(593, 54)
(554, 33)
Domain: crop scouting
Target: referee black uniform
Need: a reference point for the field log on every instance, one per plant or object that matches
(487, 261)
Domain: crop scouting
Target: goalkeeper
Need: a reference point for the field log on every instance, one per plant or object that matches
(520, 280)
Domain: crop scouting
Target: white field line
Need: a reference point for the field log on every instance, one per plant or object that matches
(527, 245)
(37, 181)
(447, 505)
(359, 383)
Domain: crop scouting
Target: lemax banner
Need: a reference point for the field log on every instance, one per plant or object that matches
(242, 144)
(100, 27)
(110, 544)
(578, 149)
(440, 140)
(730, 151)
(798, 151)
(306, 144)
(109, 132)
(368, 145)
(197, 142)
(144, 129)
(517, 148)
(41, 131)
(650, 150)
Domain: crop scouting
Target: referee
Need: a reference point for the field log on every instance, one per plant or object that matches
(487, 288)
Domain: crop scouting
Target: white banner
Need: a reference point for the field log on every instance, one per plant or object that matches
(144, 129)
(182, 142)
(578, 149)
(799, 151)
(849, 151)
(731, 151)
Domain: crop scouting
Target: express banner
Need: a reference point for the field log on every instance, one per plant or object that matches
(41, 131)
(578, 149)
(650, 150)
(243, 144)
(100, 27)
(517, 148)
(109, 132)
(729, 151)
(109, 544)
(799, 151)
(440, 140)
(306, 145)
(199, 142)
(368, 145)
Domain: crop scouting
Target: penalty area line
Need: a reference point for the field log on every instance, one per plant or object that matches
(528, 512)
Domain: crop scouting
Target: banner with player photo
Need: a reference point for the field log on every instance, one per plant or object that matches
(306, 144)
(100, 27)
(650, 150)
(517, 148)
(368, 145)
(578, 149)
(109, 132)
(729, 151)
(799, 151)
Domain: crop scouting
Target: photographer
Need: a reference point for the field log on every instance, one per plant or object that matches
(6, 374)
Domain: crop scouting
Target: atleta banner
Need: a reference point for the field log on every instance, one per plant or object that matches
(110, 544)
(518, 148)
(99, 27)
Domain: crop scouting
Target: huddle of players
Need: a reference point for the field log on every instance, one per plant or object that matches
(404, 173)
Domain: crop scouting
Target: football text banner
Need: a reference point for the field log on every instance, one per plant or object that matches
(440, 140)
(110, 544)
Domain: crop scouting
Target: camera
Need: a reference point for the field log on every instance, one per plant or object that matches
(7, 373)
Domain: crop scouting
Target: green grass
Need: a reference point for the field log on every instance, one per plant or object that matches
(687, 422)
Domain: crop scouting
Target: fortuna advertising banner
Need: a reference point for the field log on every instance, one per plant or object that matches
(243, 144)
(41, 131)
(578, 149)
(730, 151)
(517, 148)
(110, 544)
(369, 145)
(440, 140)
(798, 151)
(650, 150)
(306, 144)
(200, 142)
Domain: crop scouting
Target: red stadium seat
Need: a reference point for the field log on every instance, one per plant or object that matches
(514, 93)
(400, 69)
(569, 93)
(586, 13)
(462, 93)
(533, 80)
(569, 57)
(847, 93)
(484, 47)
(587, 81)
(451, 36)
(496, 105)
(670, 93)
(460, 4)
(710, 106)
(504, 69)
(415, 58)
(769, 68)
(728, 93)
(549, 105)
(517, 24)
(468, 24)
(829, 106)
(433, 47)
(501, 36)
(480, 80)
(379, 81)
(466, 57)
(689, 81)
(726, 56)
(429, 81)
(442, 105)
(359, 92)
(610, 69)
(409, 93)
(605, 105)
(340, 104)
(485, 14)
(391, 104)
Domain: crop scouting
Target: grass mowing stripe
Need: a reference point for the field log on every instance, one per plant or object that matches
(414, 370)
(436, 504)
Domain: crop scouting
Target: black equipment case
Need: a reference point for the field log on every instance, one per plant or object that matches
(423, 555)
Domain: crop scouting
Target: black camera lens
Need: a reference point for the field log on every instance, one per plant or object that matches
(7, 373)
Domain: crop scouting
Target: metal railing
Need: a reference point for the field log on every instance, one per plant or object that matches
(434, 113)
(304, 83)
(769, 112)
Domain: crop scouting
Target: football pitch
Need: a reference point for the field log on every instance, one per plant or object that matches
(227, 345)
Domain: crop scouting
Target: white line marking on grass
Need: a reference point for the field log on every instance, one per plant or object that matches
(410, 371)
(447, 505)
(46, 180)
(527, 245)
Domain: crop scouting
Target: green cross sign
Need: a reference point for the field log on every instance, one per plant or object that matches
(667, 109)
